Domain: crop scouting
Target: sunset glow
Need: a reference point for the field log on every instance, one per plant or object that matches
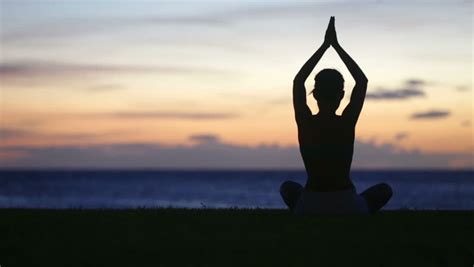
(85, 73)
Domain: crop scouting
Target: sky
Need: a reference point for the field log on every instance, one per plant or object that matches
(207, 84)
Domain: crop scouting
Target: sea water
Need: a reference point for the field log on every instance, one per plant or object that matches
(452, 190)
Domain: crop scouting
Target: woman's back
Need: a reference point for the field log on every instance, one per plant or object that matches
(327, 145)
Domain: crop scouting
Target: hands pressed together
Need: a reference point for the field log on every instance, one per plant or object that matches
(331, 38)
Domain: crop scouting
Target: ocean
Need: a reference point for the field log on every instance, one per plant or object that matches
(59, 189)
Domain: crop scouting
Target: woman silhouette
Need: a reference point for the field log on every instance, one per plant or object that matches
(326, 140)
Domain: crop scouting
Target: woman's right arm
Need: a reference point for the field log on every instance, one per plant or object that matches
(352, 111)
(302, 110)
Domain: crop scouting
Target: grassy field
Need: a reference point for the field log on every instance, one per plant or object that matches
(233, 237)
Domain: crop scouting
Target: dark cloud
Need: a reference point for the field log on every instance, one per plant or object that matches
(204, 138)
(402, 135)
(431, 114)
(210, 153)
(415, 82)
(371, 155)
(396, 94)
(412, 88)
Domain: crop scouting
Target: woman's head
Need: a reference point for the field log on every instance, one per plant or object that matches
(328, 89)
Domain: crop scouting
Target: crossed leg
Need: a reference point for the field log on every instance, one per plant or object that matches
(290, 192)
(377, 196)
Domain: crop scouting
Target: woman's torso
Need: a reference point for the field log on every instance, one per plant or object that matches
(327, 145)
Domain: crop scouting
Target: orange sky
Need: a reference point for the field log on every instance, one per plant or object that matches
(161, 72)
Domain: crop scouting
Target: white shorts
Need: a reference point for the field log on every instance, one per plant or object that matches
(336, 202)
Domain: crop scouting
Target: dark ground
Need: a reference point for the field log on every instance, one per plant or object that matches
(233, 237)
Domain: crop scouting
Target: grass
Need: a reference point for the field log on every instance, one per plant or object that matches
(233, 237)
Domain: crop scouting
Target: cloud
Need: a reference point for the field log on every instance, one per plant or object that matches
(104, 88)
(57, 28)
(415, 82)
(7, 133)
(186, 20)
(204, 138)
(48, 68)
(402, 135)
(463, 88)
(410, 89)
(211, 153)
(11, 154)
(32, 72)
(466, 123)
(397, 94)
(431, 114)
(165, 115)
(87, 22)
(39, 67)
(370, 155)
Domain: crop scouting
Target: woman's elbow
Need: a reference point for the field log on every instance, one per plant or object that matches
(362, 81)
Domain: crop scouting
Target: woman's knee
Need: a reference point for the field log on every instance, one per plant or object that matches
(386, 190)
(377, 196)
(290, 192)
(382, 189)
(288, 187)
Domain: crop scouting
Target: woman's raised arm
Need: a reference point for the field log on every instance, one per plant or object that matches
(302, 110)
(352, 111)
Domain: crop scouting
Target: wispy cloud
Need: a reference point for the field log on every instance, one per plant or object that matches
(165, 115)
(401, 136)
(104, 88)
(12, 154)
(204, 138)
(14, 133)
(431, 114)
(396, 94)
(220, 14)
(6, 133)
(463, 88)
(60, 68)
(415, 82)
(44, 71)
(186, 20)
(410, 89)
(466, 123)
